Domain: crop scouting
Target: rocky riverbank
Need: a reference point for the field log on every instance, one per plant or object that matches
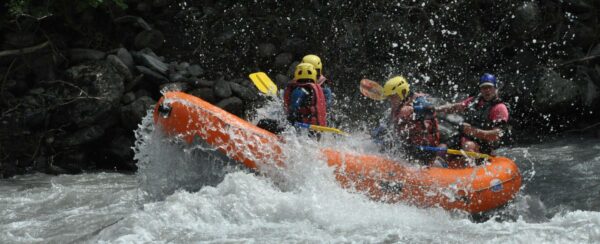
(76, 78)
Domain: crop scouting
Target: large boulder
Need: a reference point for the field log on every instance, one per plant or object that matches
(132, 114)
(92, 92)
(554, 90)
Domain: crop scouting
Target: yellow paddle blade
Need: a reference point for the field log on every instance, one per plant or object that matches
(263, 83)
(328, 129)
(371, 89)
(470, 154)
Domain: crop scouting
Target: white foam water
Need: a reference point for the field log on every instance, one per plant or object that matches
(189, 194)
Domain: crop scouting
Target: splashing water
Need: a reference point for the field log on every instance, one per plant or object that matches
(187, 196)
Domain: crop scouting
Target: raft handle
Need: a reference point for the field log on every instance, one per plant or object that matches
(164, 110)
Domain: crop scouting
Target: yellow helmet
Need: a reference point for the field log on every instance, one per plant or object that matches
(305, 71)
(315, 61)
(396, 85)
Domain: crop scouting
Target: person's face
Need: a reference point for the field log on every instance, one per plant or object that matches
(488, 92)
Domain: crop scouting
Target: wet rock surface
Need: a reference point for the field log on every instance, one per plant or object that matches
(71, 94)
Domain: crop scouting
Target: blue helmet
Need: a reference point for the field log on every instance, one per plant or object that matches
(488, 79)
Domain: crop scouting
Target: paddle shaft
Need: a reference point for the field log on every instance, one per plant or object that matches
(455, 152)
(320, 128)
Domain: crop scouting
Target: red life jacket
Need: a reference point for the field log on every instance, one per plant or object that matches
(312, 112)
(419, 130)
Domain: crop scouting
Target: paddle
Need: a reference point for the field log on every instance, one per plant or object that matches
(371, 89)
(320, 128)
(455, 152)
(263, 83)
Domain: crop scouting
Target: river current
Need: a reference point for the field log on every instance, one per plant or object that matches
(189, 196)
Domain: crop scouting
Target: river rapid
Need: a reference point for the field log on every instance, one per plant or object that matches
(191, 196)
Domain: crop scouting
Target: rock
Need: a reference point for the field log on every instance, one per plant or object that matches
(175, 86)
(150, 52)
(120, 149)
(282, 60)
(227, 36)
(176, 77)
(160, 3)
(266, 50)
(120, 66)
(136, 20)
(553, 90)
(143, 7)
(590, 96)
(152, 76)
(132, 114)
(527, 18)
(52, 169)
(93, 92)
(281, 80)
(182, 66)
(134, 82)
(296, 46)
(142, 93)
(585, 36)
(209, 11)
(243, 92)
(577, 6)
(128, 98)
(149, 39)
(206, 94)
(127, 59)
(595, 75)
(78, 55)
(83, 136)
(202, 83)
(195, 70)
(152, 63)
(233, 105)
(222, 89)
(351, 36)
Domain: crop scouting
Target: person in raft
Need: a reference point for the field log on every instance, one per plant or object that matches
(299, 110)
(485, 117)
(413, 118)
(321, 79)
(304, 99)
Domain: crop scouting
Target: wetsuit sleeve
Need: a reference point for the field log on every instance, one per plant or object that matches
(297, 97)
(467, 101)
(328, 96)
(422, 104)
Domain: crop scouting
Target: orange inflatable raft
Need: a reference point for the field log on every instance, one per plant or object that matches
(475, 190)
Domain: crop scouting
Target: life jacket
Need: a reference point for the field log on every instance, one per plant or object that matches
(313, 110)
(480, 117)
(421, 130)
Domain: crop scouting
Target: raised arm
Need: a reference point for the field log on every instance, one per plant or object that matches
(451, 108)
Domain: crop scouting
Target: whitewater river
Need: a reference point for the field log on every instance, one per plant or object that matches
(559, 203)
